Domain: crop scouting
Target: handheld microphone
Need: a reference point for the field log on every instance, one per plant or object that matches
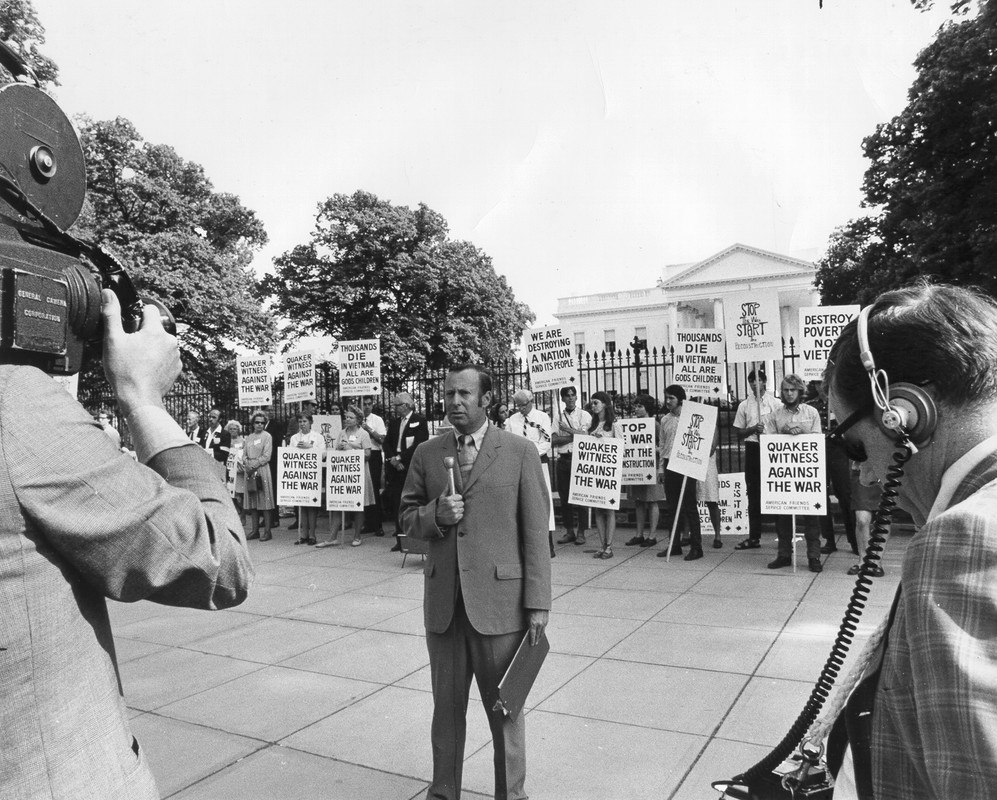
(449, 462)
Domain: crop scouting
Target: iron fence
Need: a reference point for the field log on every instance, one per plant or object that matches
(622, 374)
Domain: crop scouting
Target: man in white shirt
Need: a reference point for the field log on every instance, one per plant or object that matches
(533, 424)
(571, 421)
(377, 431)
(793, 419)
(217, 441)
(748, 422)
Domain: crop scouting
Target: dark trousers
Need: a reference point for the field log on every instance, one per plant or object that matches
(394, 482)
(688, 511)
(372, 514)
(839, 475)
(784, 528)
(753, 485)
(571, 516)
(454, 656)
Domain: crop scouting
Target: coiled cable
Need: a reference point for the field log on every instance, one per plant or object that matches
(846, 632)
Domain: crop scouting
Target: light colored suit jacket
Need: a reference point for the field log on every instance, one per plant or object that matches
(499, 551)
(79, 522)
(935, 717)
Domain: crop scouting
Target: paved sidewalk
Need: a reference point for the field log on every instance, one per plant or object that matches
(662, 677)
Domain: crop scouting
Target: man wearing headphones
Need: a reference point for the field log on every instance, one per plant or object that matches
(915, 377)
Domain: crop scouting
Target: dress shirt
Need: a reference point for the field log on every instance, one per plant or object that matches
(520, 425)
(376, 425)
(579, 419)
(747, 413)
(804, 419)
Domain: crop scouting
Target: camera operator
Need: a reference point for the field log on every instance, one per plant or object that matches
(930, 692)
(81, 522)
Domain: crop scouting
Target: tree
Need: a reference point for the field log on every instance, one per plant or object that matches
(371, 268)
(19, 26)
(182, 242)
(932, 179)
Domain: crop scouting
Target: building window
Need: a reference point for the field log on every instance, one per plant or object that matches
(609, 337)
(641, 335)
(580, 344)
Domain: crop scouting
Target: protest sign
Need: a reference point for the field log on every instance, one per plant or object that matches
(329, 426)
(732, 503)
(344, 480)
(699, 361)
(550, 354)
(232, 468)
(596, 472)
(690, 453)
(299, 476)
(639, 451)
(299, 376)
(752, 326)
(255, 384)
(820, 326)
(360, 367)
(793, 474)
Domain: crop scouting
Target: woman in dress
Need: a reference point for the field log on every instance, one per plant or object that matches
(353, 437)
(306, 439)
(234, 470)
(645, 497)
(259, 494)
(604, 425)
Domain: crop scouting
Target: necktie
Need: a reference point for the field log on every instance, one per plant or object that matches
(466, 454)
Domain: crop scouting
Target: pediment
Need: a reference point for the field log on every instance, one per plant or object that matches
(739, 263)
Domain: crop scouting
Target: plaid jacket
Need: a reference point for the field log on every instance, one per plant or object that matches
(935, 718)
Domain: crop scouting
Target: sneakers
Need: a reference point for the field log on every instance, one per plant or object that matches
(815, 565)
(781, 561)
(356, 542)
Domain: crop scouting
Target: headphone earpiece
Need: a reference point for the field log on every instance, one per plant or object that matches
(904, 405)
(913, 409)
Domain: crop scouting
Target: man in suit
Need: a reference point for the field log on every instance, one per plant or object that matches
(194, 430)
(915, 377)
(405, 432)
(217, 440)
(487, 574)
(81, 522)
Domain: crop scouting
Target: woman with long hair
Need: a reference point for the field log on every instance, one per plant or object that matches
(647, 496)
(604, 425)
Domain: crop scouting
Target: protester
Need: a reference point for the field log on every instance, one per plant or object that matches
(500, 413)
(646, 497)
(681, 502)
(604, 425)
(748, 424)
(237, 476)
(571, 421)
(353, 437)
(927, 701)
(866, 491)
(405, 432)
(257, 456)
(306, 439)
(533, 424)
(378, 432)
(217, 441)
(487, 574)
(793, 419)
(84, 522)
(104, 420)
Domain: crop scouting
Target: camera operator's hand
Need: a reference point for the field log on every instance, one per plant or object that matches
(142, 366)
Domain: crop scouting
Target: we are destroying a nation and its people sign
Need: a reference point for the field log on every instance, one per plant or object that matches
(550, 356)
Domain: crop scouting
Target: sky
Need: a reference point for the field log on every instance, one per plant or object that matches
(583, 145)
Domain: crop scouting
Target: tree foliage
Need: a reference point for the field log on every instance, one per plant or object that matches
(932, 181)
(19, 27)
(182, 242)
(371, 268)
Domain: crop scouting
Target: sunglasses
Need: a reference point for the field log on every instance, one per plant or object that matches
(854, 450)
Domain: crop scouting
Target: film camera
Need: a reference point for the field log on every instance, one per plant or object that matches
(50, 281)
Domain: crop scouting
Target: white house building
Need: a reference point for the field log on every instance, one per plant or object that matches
(688, 296)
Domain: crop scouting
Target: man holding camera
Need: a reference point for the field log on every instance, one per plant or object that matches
(81, 522)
